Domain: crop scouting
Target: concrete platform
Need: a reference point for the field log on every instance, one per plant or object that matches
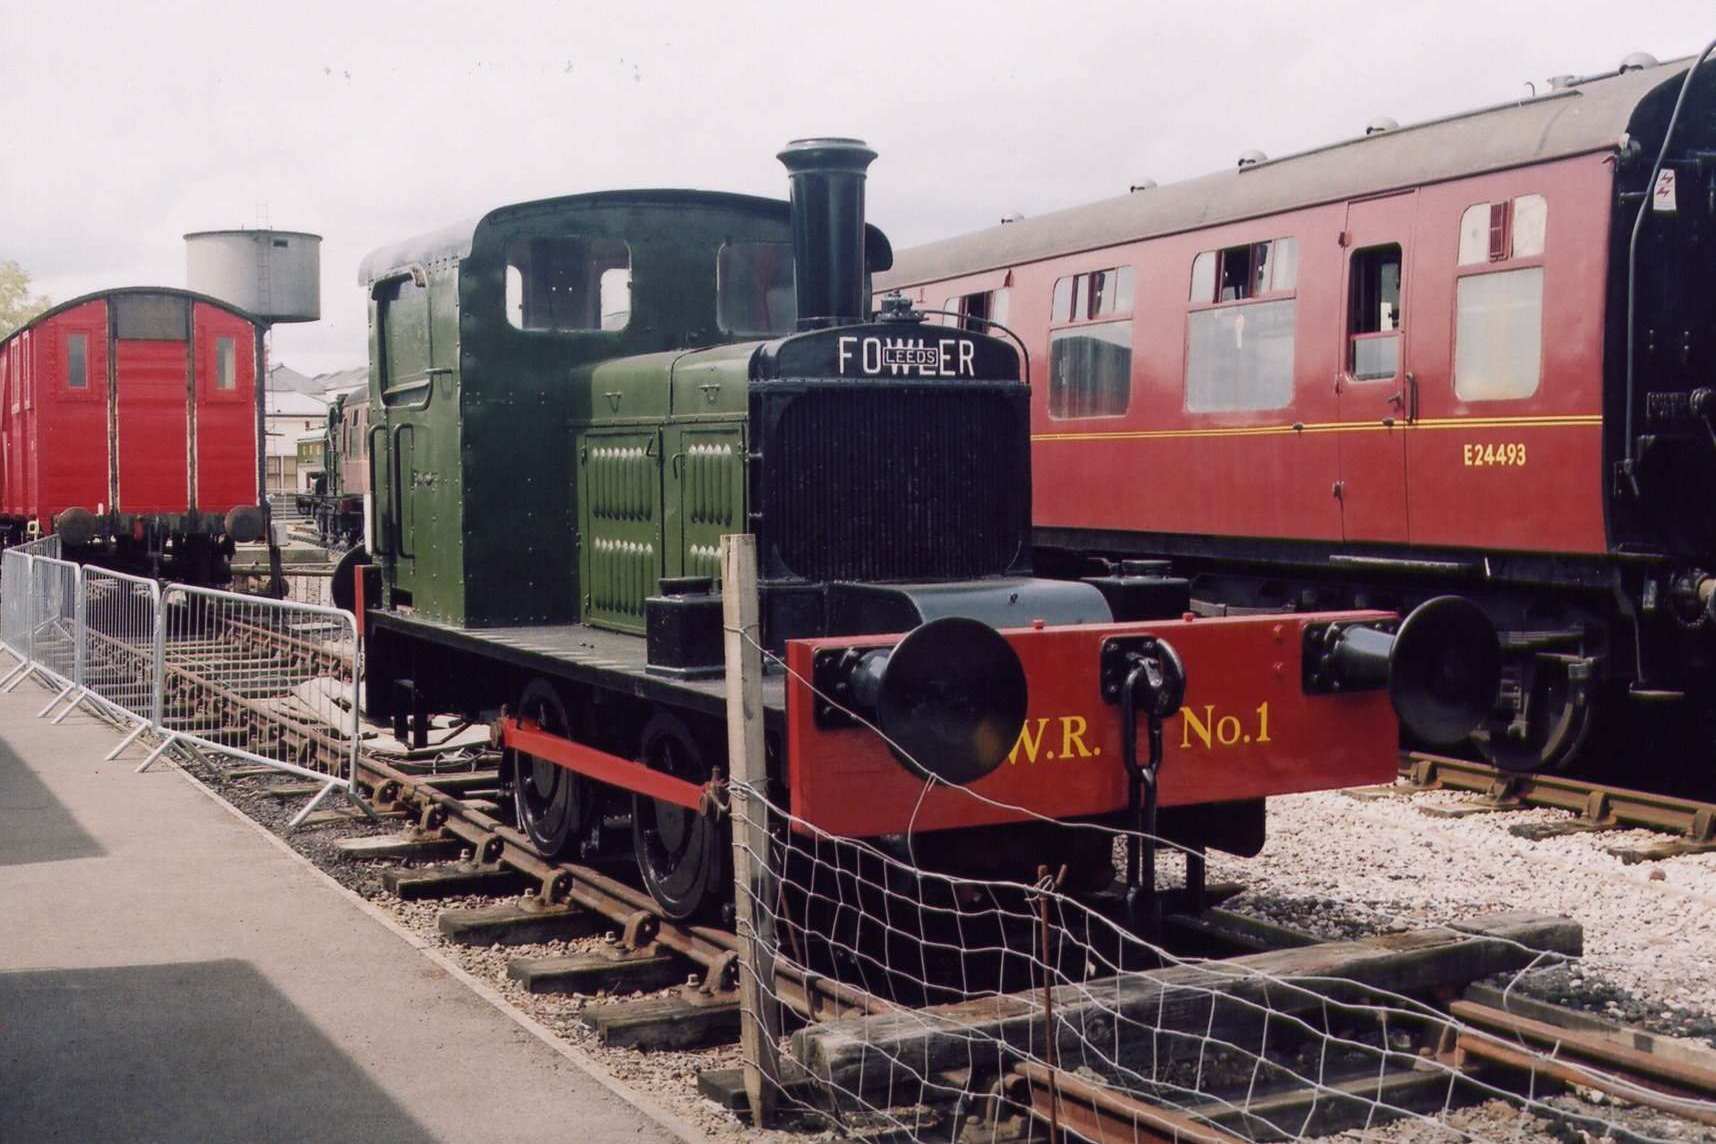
(170, 973)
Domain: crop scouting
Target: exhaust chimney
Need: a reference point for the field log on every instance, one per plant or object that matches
(828, 228)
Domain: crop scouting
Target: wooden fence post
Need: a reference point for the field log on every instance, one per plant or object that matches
(753, 881)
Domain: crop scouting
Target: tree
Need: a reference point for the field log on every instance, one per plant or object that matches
(17, 305)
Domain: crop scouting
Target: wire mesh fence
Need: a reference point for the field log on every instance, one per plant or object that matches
(1050, 1007)
(1005, 1004)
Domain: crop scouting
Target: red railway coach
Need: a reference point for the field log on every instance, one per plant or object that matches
(1395, 367)
(128, 425)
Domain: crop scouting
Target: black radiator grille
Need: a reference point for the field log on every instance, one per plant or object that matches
(896, 483)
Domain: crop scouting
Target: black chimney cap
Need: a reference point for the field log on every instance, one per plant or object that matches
(830, 152)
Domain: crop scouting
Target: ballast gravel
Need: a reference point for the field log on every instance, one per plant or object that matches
(1339, 866)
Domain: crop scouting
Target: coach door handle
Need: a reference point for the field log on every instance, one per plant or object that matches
(1411, 397)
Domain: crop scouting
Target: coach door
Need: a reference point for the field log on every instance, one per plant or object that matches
(1374, 380)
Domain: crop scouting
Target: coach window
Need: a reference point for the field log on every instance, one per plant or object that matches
(754, 288)
(77, 361)
(1502, 231)
(1241, 327)
(226, 373)
(1498, 299)
(566, 284)
(1090, 359)
(1373, 313)
(977, 311)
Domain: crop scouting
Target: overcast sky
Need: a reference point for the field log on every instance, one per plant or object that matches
(126, 125)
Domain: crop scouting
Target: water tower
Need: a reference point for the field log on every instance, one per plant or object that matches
(274, 274)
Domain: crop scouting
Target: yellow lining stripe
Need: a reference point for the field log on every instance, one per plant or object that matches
(1547, 422)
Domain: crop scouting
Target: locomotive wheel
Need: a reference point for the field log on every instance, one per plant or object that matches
(553, 804)
(682, 854)
(1561, 713)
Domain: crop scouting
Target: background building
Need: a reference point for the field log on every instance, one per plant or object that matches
(290, 417)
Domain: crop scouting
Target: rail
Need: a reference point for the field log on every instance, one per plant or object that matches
(1599, 805)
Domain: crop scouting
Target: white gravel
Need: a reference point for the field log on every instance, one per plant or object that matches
(1650, 928)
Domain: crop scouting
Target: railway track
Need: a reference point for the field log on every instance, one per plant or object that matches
(1595, 806)
(453, 814)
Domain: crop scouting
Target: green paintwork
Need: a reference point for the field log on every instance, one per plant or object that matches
(533, 476)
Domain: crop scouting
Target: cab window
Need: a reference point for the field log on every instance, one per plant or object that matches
(755, 291)
(568, 283)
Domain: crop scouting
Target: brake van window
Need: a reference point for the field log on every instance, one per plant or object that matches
(755, 292)
(77, 361)
(568, 283)
(226, 372)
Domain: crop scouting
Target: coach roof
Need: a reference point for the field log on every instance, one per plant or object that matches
(59, 308)
(1590, 115)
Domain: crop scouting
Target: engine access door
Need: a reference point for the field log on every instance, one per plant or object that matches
(1373, 375)
(619, 524)
(706, 495)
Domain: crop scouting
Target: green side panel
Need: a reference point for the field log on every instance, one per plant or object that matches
(416, 457)
(620, 551)
(710, 463)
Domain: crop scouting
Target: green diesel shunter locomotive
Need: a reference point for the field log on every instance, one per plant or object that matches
(573, 400)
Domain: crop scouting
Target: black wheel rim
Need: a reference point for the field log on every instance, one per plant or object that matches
(679, 851)
(550, 801)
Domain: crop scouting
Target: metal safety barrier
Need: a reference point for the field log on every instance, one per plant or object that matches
(205, 672)
(120, 671)
(269, 681)
(15, 606)
(55, 602)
